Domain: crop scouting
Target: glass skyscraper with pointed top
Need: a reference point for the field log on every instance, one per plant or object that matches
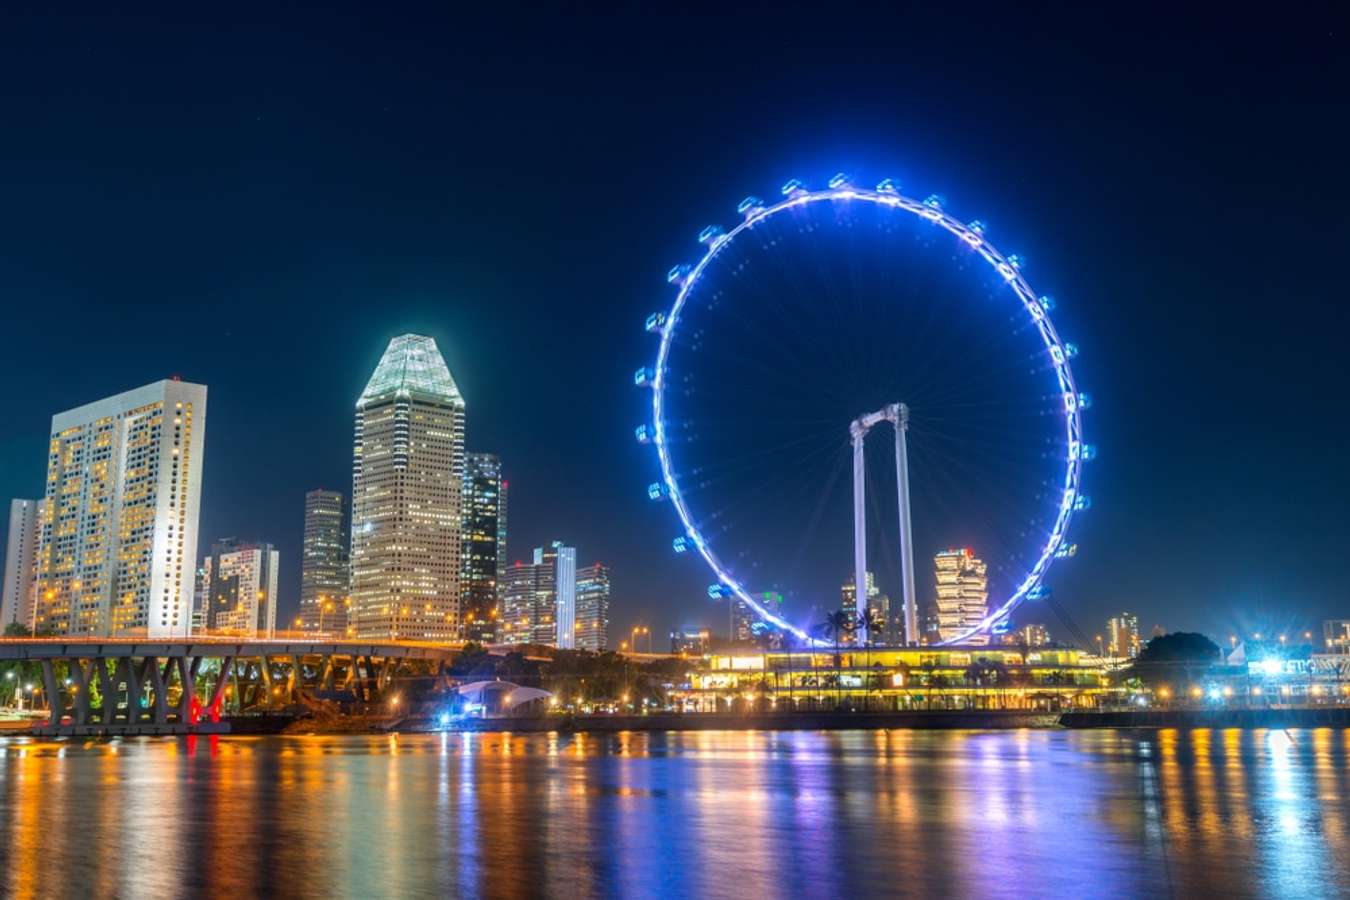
(407, 488)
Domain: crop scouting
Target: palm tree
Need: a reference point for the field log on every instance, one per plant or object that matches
(836, 624)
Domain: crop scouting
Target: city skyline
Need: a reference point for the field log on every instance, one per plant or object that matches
(511, 314)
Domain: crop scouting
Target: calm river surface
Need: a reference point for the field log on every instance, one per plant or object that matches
(731, 814)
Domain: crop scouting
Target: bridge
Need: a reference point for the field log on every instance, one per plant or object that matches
(100, 686)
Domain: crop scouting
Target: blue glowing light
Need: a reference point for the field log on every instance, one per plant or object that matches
(710, 234)
(1047, 302)
(443, 719)
(656, 491)
(655, 321)
(643, 376)
(1084, 401)
(931, 209)
(680, 544)
(1215, 694)
(1064, 551)
(1083, 501)
(840, 180)
(1271, 666)
(749, 204)
(643, 434)
(677, 274)
(1002, 626)
(1015, 261)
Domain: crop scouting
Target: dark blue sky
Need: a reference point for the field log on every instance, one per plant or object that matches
(259, 204)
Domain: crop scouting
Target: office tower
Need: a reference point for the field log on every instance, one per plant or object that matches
(483, 545)
(118, 534)
(201, 598)
(962, 593)
(1028, 635)
(1336, 635)
(324, 591)
(560, 564)
(1122, 633)
(592, 631)
(407, 477)
(529, 607)
(243, 578)
(690, 641)
(16, 603)
(878, 603)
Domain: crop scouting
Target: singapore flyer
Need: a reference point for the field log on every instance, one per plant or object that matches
(855, 387)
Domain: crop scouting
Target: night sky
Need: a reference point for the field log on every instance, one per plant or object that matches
(260, 204)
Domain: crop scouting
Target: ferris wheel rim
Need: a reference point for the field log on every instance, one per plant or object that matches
(1006, 266)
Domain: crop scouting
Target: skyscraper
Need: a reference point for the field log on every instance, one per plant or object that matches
(483, 576)
(877, 602)
(407, 487)
(118, 534)
(562, 560)
(962, 593)
(324, 586)
(592, 629)
(243, 592)
(1122, 636)
(538, 595)
(16, 603)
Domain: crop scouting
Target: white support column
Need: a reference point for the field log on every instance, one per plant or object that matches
(906, 535)
(858, 431)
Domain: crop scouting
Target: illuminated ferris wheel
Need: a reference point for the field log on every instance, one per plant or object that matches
(811, 303)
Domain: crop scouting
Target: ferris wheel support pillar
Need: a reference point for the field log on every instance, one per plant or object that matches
(901, 422)
(858, 432)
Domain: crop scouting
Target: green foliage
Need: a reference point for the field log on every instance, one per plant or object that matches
(1182, 657)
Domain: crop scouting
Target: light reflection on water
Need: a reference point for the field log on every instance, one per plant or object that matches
(745, 814)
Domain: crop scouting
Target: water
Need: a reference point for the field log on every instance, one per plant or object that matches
(728, 814)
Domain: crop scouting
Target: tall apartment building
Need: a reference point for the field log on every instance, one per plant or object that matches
(540, 601)
(16, 603)
(118, 534)
(1122, 636)
(324, 586)
(962, 593)
(243, 592)
(407, 489)
(592, 626)
(483, 545)
(1032, 635)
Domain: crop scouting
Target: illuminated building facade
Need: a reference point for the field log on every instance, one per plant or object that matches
(592, 629)
(690, 641)
(1336, 636)
(324, 574)
(528, 605)
(897, 679)
(118, 533)
(483, 543)
(407, 489)
(962, 593)
(1122, 633)
(560, 564)
(1032, 635)
(16, 603)
(243, 592)
(877, 603)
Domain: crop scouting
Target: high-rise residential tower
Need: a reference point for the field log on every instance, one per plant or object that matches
(118, 533)
(563, 561)
(879, 606)
(962, 593)
(483, 545)
(324, 590)
(592, 628)
(1122, 634)
(407, 488)
(243, 592)
(16, 603)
